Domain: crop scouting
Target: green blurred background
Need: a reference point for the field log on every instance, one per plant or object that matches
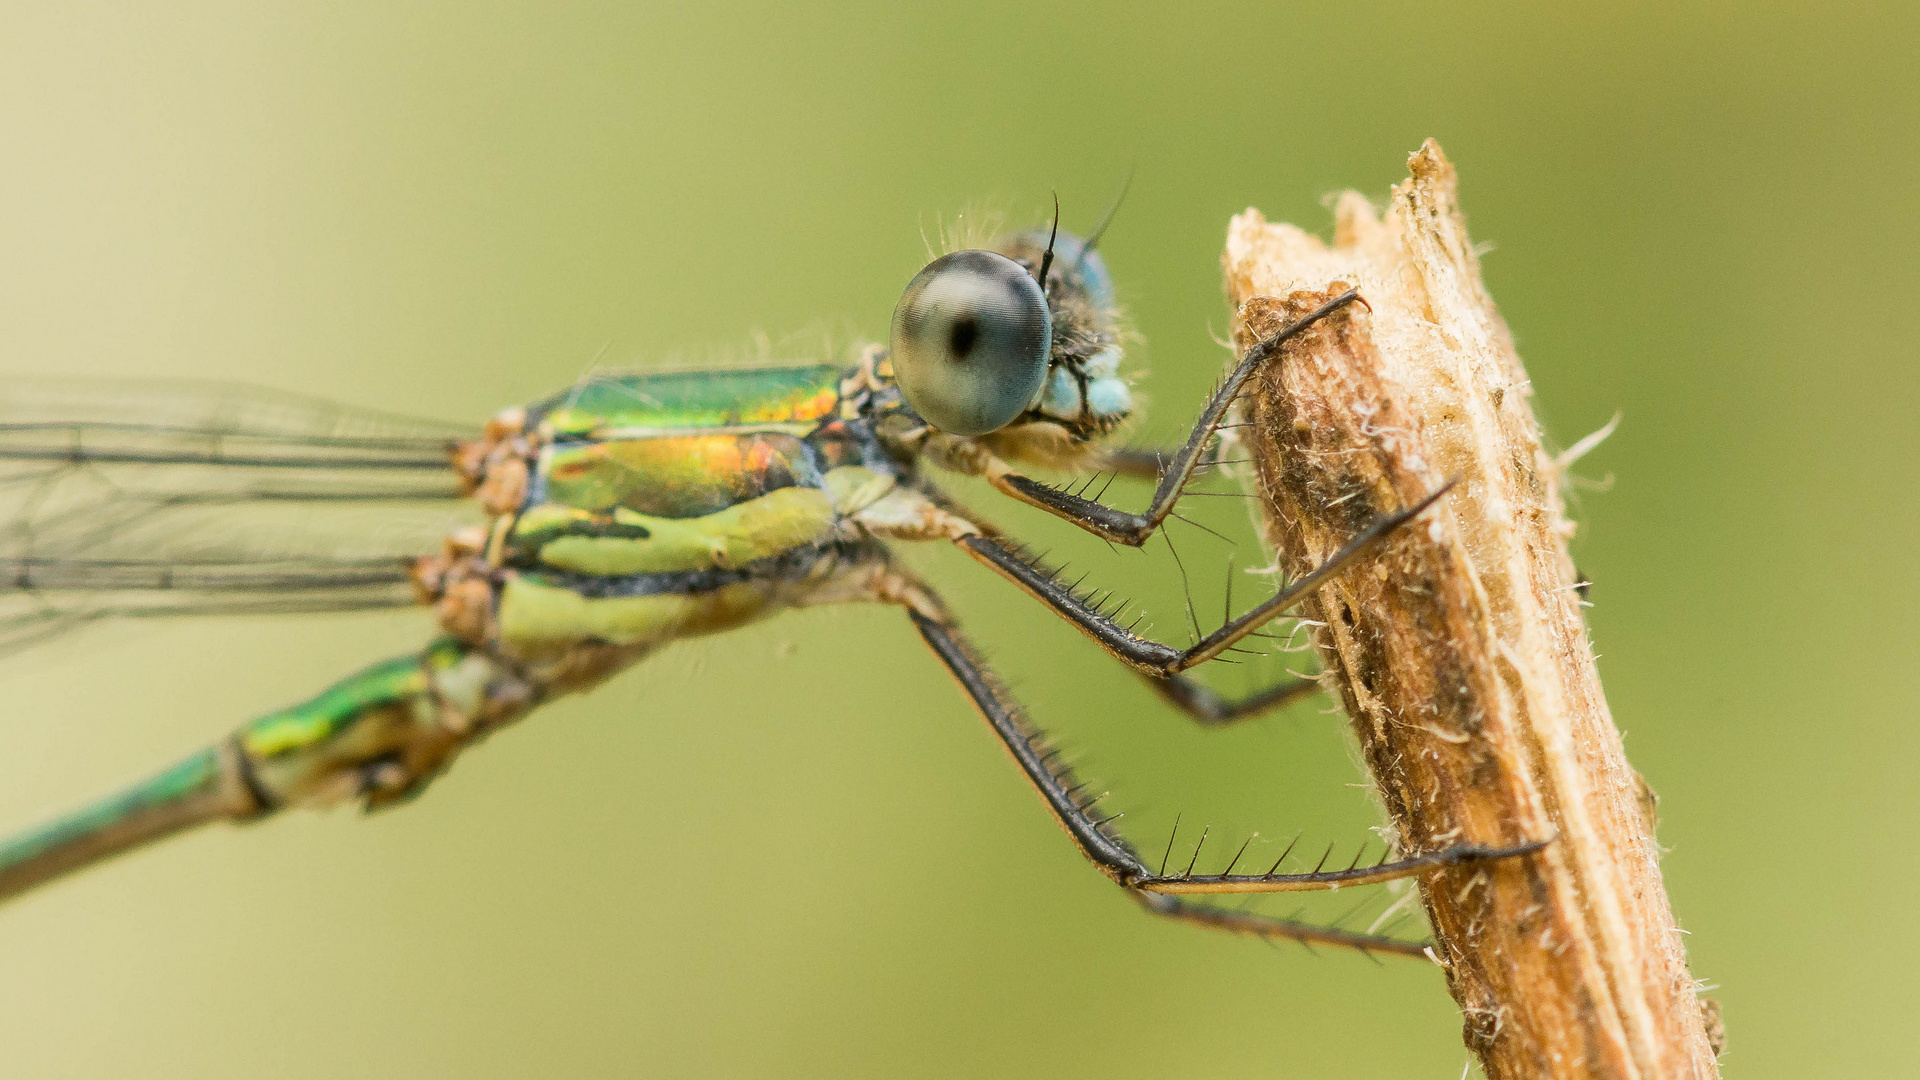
(793, 851)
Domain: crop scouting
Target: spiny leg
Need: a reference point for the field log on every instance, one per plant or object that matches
(1164, 662)
(1111, 853)
(923, 513)
(1200, 703)
(1132, 529)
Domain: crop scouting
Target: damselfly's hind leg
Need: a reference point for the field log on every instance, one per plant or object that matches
(1131, 529)
(1157, 889)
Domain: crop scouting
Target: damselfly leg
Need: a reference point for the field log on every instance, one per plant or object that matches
(1163, 666)
(1156, 889)
(1162, 663)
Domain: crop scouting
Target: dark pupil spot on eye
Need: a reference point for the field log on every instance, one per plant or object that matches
(960, 339)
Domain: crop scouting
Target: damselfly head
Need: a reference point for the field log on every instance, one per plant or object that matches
(980, 343)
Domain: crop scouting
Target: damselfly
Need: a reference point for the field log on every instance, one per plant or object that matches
(622, 514)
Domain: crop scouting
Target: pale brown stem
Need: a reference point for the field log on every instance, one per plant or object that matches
(1460, 652)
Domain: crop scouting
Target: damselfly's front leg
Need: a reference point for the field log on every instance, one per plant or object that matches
(1154, 887)
(1132, 529)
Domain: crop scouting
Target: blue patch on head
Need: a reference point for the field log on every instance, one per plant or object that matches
(1093, 275)
(1109, 398)
(1103, 364)
(1061, 397)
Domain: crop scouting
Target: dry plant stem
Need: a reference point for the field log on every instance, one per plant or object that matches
(1460, 652)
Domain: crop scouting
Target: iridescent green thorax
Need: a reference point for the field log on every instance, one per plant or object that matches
(790, 398)
(673, 476)
(661, 505)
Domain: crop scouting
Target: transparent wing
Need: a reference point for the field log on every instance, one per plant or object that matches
(170, 498)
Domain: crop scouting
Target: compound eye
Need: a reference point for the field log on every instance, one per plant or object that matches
(970, 342)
